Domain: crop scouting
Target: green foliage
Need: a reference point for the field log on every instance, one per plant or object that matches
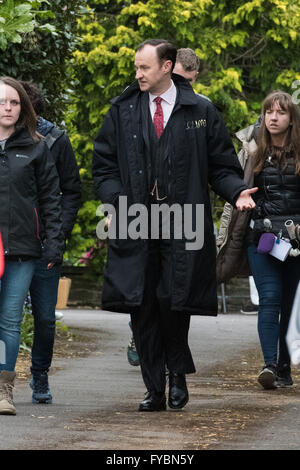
(246, 50)
(27, 331)
(84, 249)
(39, 38)
(27, 326)
(18, 17)
(239, 45)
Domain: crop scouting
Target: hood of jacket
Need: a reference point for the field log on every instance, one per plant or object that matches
(44, 126)
(251, 132)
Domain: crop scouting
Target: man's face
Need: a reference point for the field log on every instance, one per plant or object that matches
(191, 75)
(151, 74)
(277, 120)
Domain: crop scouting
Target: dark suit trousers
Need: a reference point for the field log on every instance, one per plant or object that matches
(161, 335)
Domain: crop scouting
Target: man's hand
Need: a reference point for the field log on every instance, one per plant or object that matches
(108, 221)
(245, 201)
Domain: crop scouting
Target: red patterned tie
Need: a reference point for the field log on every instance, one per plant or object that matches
(158, 118)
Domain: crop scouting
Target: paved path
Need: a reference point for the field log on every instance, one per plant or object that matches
(96, 397)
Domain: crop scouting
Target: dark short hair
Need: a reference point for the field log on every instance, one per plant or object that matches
(188, 59)
(35, 97)
(165, 50)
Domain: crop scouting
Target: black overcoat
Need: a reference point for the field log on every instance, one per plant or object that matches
(202, 154)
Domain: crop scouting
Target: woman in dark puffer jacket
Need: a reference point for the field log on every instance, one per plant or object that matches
(29, 192)
(277, 175)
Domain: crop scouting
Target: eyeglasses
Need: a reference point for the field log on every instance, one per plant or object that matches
(13, 103)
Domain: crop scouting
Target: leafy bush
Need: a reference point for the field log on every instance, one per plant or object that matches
(27, 327)
(246, 49)
(39, 38)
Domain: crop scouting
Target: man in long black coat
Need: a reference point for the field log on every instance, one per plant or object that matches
(164, 153)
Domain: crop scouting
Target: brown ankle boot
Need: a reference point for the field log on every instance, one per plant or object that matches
(7, 380)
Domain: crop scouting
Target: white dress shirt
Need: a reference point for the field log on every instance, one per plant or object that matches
(168, 102)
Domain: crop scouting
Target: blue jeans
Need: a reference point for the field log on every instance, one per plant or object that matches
(14, 287)
(276, 282)
(43, 293)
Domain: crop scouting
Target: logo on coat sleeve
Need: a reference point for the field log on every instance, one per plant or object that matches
(20, 155)
(196, 124)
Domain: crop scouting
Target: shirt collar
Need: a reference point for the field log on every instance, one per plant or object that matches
(169, 96)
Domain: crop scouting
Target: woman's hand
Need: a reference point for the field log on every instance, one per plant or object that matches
(245, 201)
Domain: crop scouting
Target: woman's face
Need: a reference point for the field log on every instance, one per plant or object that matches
(10, 108)
(277, 120)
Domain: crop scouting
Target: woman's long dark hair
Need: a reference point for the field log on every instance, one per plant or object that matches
(264, 144)
(27, 116)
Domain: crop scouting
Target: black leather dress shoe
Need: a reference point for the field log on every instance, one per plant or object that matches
(153, 402)
(178, 392)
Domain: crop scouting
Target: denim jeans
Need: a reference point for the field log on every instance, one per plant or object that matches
(276, 282)
(15, 283)
(43, 293)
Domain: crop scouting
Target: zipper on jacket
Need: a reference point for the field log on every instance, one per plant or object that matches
(37, 224)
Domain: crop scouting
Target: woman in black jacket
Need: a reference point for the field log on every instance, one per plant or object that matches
(29, 193)
(277, 175)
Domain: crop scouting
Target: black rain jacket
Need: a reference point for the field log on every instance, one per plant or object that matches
(29, 195)
(278, 196)
(69, 180)
(202, 153)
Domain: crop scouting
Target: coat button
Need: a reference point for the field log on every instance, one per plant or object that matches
(134, 136)
(140, 172)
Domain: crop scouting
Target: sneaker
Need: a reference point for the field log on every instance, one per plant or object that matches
(59, 315)
(249, 309)
(284, 378)
(40, 386)
(7, 380)
(267, 377)
(132, 354)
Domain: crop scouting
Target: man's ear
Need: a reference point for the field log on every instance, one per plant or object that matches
(167, 66)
